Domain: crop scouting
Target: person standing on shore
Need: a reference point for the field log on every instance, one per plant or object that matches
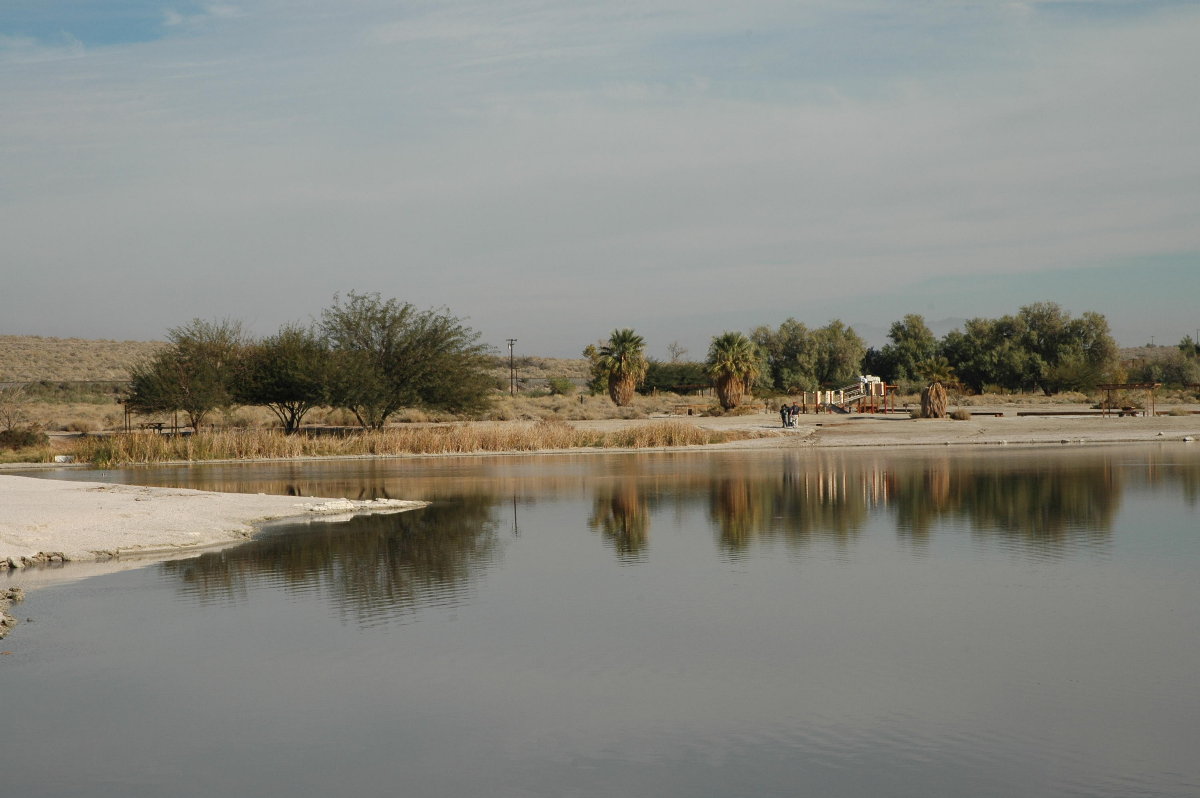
(784, 412)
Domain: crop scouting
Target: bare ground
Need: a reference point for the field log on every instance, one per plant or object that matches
(884, 431)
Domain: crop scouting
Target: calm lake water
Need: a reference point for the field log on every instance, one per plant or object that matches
(985, 623)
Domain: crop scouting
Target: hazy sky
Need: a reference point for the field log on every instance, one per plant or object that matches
(552, 171)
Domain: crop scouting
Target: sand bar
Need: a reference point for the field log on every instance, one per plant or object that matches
(82, 521)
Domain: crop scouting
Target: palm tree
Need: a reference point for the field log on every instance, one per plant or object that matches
(938, 372)
(733, 364)
(935, 369)
(623, 362)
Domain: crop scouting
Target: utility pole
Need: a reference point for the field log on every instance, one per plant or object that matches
(512, 369)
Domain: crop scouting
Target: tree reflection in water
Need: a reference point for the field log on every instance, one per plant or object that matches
(1048, 505)
(806, 499)
(1040, 502)
(621, 514)
(373, 567)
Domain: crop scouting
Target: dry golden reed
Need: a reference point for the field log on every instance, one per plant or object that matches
(546, 435)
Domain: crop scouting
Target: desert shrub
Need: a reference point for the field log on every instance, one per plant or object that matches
(412, 415)
(236, 420)
(333, 417)
(741, 410)
(1070, 398)
(81, 425)
(560, 386)
(681, 377)
(22, 438)
(506, 413)
(961, 414)
(76, 392)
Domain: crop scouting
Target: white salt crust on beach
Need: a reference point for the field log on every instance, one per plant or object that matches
(89, 520)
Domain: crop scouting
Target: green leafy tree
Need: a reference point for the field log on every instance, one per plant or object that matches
(988, 352)
(839, 352)
(733, 364)
(289, 373)
(1172, 367)
(597, 378)
(1084, 354)
(621, 363)
(193, 375)
(799, 359)
(912, 343)
(388, 355)
(790, 356)
(1039, 348)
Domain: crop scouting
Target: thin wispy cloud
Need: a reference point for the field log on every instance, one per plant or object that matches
(207, 13)
(28, 50)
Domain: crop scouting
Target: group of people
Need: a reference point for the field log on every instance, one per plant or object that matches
(788, 413)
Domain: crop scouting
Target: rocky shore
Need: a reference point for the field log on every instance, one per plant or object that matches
(8, 597)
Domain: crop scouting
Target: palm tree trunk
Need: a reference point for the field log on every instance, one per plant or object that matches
(933, 401)
(620, 389)
(729, 391)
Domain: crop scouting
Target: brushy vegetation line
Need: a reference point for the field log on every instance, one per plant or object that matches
(152, 447)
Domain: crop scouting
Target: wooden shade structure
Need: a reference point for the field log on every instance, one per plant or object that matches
(1111, 388)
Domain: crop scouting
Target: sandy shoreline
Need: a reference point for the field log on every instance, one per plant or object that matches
(100, 527)
(43, 520)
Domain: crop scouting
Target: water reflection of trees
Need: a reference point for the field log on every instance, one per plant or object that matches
(1041, 501)
(1038, 499)
(620, 513)
(372, 567)
(1053, 502)
(797, 504)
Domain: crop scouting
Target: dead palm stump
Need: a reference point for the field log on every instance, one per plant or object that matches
(933, 401)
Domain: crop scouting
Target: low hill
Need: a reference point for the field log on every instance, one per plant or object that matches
(32, 358)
